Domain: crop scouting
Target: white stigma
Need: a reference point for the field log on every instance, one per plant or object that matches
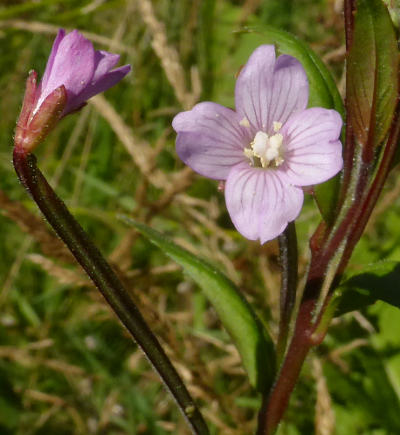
(267, 149)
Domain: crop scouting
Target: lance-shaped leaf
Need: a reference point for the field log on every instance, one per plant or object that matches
(372, 73)
(323, 93)
(253, 342)
(379, 281)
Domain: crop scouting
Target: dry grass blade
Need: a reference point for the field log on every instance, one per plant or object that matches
(324, 416)
(168, 57)
(180, 181)
(139, 150)
(335, 355)
(39, 27)
(63, 275)
(25, 358)
(44, 397)
(35, 227)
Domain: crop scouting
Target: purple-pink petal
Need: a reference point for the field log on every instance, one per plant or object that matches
(105, 82)
(84, 72)
(210, 139)
(260, 203)
(253, 87)
(288, 90)
(270, 89)
(313, 152)
(73, 67)
(103, 63)
(60, 36)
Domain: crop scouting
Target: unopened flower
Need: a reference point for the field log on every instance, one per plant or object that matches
(75, 71)
(266, 150)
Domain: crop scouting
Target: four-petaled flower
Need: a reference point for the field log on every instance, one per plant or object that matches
(75, 71)
(266, 150)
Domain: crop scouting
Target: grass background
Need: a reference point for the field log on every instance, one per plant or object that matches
(66, 364)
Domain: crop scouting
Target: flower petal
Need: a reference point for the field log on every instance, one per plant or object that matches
(260, 203)
(103, 83)
(313, 152)
(73, 67)
(211, 139)
(289, 90)
(269, 90)
(103, 62)
(60, 36)
(253, 87)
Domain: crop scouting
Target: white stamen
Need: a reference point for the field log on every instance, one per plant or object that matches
(248, 152)
(244, 122)
(277, 126)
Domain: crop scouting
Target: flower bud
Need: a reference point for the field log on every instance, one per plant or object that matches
(33, 127)
(75, 72)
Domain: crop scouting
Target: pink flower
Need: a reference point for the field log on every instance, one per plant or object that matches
(75, 71)
(266, 150)
(84, 71)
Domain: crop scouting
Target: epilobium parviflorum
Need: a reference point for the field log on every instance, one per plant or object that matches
(266, 150)
(75, 72)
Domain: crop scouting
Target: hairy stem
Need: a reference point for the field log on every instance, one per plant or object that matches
(348, 153)
(288, 259)
(349, 9)
(376, 186)
(105, 279)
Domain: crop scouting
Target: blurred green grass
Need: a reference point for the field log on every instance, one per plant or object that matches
(66, 365)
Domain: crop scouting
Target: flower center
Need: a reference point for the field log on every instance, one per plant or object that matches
(266, 151)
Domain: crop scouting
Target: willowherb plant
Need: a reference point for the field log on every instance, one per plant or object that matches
(266, 150)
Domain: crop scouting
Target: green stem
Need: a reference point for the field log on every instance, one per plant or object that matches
(288, 259)
(93, 262)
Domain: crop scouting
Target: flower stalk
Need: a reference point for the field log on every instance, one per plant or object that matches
(288, 259)
(105, 279)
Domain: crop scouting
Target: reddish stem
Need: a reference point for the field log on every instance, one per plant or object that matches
(323, 250)
(348, 153)
(275, 405)
(365, 210)
(349, 9)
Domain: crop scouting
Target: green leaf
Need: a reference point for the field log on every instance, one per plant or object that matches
(254, 344)
(323, 93)
(380, 281)
(366, 399)
(372, 72)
